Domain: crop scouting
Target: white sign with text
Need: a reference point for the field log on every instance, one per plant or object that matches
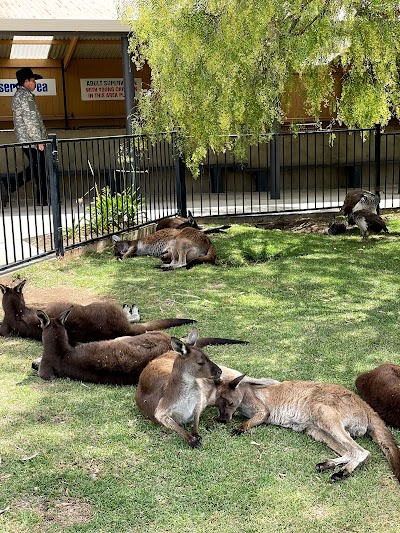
(106, 88)
(44, 87)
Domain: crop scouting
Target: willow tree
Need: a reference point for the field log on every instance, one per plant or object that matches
(225, 67)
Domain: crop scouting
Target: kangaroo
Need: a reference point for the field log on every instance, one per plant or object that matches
(329, 413)
(360, 200)
(169, 392)
(380, 388)
(87, 323)
(181, 222)
(336, 228)
(367, 222)
(177, 222)
(179, 247)
(361, 208)
(118, 361)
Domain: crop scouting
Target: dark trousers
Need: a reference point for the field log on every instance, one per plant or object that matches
(36, 170)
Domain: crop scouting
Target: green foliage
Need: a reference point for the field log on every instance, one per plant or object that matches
(222, 67)
(108, 212)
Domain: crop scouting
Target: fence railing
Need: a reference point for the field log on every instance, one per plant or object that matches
(85, 189)
(81, 190)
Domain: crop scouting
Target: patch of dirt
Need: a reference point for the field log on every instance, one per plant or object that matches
(41, 297)
(62, 513)
(297, 225)
(35, 297)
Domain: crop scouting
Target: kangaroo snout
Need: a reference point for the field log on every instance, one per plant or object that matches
(216, 372)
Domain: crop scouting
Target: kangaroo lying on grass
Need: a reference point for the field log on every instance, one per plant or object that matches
(118, 361)
(181, 222)
(329, 413)
(380, 388)
(178, 247)
(177, 222)
(96, 321)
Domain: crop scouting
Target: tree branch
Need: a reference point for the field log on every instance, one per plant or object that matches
(309, 24)
(297, 19)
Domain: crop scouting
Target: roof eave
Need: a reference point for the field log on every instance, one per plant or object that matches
(51, 26)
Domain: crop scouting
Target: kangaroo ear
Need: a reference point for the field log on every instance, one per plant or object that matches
(193, 336)
(235, 382)
(64, 315)
(3, 288)
(44, 319)
(20, 285)
(178, 346)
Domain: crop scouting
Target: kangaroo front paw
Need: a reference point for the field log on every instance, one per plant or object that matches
(194, 441)
(237, 431)
(35, 364)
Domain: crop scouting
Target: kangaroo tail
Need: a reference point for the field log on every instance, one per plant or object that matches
(219, 229)
(385, 440)
(215, 341)
(209, 258)
(161, 323)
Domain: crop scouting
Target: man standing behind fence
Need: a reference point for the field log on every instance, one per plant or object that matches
(29, 128)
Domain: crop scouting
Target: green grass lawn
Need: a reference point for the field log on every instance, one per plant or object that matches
(80, 457)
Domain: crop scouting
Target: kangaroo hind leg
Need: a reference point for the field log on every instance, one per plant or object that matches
(329, 464)
(332, 432)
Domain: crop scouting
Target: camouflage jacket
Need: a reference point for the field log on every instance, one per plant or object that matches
(28, 123)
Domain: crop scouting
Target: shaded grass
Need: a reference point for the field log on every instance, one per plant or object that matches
(79, 457)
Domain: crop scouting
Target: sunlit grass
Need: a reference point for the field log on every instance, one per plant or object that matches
(80, 457)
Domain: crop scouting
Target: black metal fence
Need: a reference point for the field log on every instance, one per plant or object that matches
(96, 187)
(308, 170)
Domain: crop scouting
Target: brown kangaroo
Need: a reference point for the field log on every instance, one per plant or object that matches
(329, 413)
(179, 247)
(177, 222)
(367, 222)
(170, 391)
(181, 222)
(118, 361)
(87, 323)
(380, 388)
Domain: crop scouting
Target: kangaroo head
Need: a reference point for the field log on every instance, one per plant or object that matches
(53, 326)
(12, 296)
(229, 396)
(191, 220)
(121, 247)
(193, 361)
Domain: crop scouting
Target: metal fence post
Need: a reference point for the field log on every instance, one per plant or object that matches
(180, 175)
(55, 196)
(275, 165)
(378, 135)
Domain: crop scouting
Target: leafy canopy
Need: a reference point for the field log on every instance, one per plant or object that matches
(222, 67)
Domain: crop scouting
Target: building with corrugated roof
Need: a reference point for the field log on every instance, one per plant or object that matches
(80, 49)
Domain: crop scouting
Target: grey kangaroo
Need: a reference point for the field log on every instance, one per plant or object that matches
(117, 361)
(329, 413)
(177, 247)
